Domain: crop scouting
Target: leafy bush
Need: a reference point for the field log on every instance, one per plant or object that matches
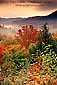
(5, 83)
(1, 53)
(14, 60)
(46, 35)
(46, 55)
(7, 42)
(27, 35)
(38, 50)
(35, 52)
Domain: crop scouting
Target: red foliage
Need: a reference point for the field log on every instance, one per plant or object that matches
(27, 35)
(1, 53)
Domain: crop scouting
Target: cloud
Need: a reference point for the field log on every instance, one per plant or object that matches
(34, 1)
(44, 4)
(1, 1)
(48, 6)
(5, 1)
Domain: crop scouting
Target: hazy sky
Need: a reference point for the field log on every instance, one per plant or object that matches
(2, 1)
(36, 8)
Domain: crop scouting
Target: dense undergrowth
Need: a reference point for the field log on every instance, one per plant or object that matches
(29, 59)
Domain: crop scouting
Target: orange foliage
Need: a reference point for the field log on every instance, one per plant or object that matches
(36, 67)
(55, 82)
(54, 35)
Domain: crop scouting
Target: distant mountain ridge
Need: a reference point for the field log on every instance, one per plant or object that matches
(53, 15)
(50, 16)
(37, 21)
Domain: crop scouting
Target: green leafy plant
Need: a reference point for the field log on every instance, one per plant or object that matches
(14, 61)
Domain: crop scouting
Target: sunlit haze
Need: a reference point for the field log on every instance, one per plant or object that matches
(11, 10)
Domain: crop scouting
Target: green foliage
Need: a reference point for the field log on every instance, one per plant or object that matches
(50, 59)
(34, 53)
(45, 54)
(14, 61)
(5, 83)
(46, 35)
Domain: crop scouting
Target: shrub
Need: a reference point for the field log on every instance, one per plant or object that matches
(46, 35)
(1, 53)
(27, 35)
(14, 60)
